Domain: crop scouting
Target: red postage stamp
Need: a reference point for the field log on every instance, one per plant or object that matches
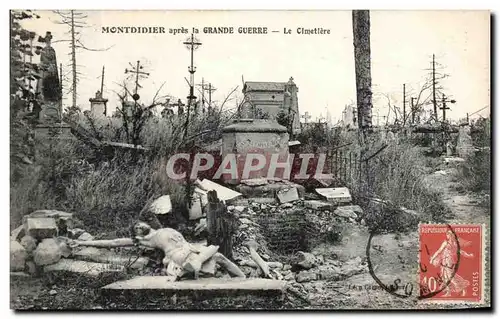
(451, 263)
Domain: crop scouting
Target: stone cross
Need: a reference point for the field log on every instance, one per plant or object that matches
(306, 117)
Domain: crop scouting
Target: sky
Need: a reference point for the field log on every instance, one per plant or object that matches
(402, 45)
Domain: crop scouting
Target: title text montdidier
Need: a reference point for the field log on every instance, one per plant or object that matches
(211, 30)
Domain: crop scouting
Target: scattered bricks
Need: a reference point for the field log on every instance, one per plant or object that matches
(29, 243)
(317, 205)
(18, 256)
(306, 276)
(47, 252)
(85, 237)
(41, 228)
(288, 195)
(352, 211)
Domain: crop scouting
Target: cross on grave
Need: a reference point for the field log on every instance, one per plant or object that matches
(180, 107)
(306, 117)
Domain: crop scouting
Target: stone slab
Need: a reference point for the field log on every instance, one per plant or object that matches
(86, 268)
(335, 195)
(223, 193)
(287, 195)
(162, 205)
(222, 285)
(105, 256)
(41, 228)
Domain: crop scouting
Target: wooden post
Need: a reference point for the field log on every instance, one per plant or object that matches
(220, 225)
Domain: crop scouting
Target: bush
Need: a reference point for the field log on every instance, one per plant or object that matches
(475, 173)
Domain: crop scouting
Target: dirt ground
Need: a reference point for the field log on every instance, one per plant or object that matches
(394, 260)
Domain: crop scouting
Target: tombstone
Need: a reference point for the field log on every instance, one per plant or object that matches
(252, 136)
(98, 105)
(464, 142)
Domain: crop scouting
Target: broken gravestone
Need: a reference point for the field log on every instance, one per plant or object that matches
(18, 256)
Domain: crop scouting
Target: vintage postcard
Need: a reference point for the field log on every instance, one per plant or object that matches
(276, 160)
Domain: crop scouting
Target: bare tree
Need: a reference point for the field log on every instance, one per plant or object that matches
(75, 21)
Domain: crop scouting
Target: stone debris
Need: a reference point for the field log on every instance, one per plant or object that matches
(85, 237)
(106, 256)
(17, 233)
(338, 195)
(18, 256)
(317, 205)
(306, 276)
(353, 211)
(305, 260)
(89, 269)
(75, 233)
(161, 205)
(47, 252)
(223, 193)
(29, 243)
(41, 227)
(254, 182)
(287, 195)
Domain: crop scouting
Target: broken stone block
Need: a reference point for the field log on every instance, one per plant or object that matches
(40, 228)
(85, 237)
(17, 233)
(305, 260)
(18, 256)
(254, 182)
(63, 219)
(31, 267)
(329, 273)
(98, 274)
(239, 209)
(29, 243)
(105, 256)
(352, 211)
(289, 277)
(317, 205)
(161, 205)
(287, 195)
(75, 233)
(47, 252)
(64, 246)
(286, 205)
(306, 276)
(335, 195)
(223, 193)
(196, 210)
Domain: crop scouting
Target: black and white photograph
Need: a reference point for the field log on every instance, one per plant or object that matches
(250, 160)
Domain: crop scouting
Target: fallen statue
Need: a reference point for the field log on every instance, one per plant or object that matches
(181, 257)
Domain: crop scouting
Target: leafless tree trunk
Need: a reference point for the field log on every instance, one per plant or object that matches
(73, 59)
(361, 33)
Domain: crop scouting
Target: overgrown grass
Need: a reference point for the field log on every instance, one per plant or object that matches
(396, 176)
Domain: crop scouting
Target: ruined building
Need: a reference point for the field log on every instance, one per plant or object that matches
(270, 98)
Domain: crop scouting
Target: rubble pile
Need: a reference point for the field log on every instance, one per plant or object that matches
(43, 244)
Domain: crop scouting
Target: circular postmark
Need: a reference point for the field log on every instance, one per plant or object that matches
(424, 290)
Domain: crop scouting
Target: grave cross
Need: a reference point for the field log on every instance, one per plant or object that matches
(306, 117)
(137, 71)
